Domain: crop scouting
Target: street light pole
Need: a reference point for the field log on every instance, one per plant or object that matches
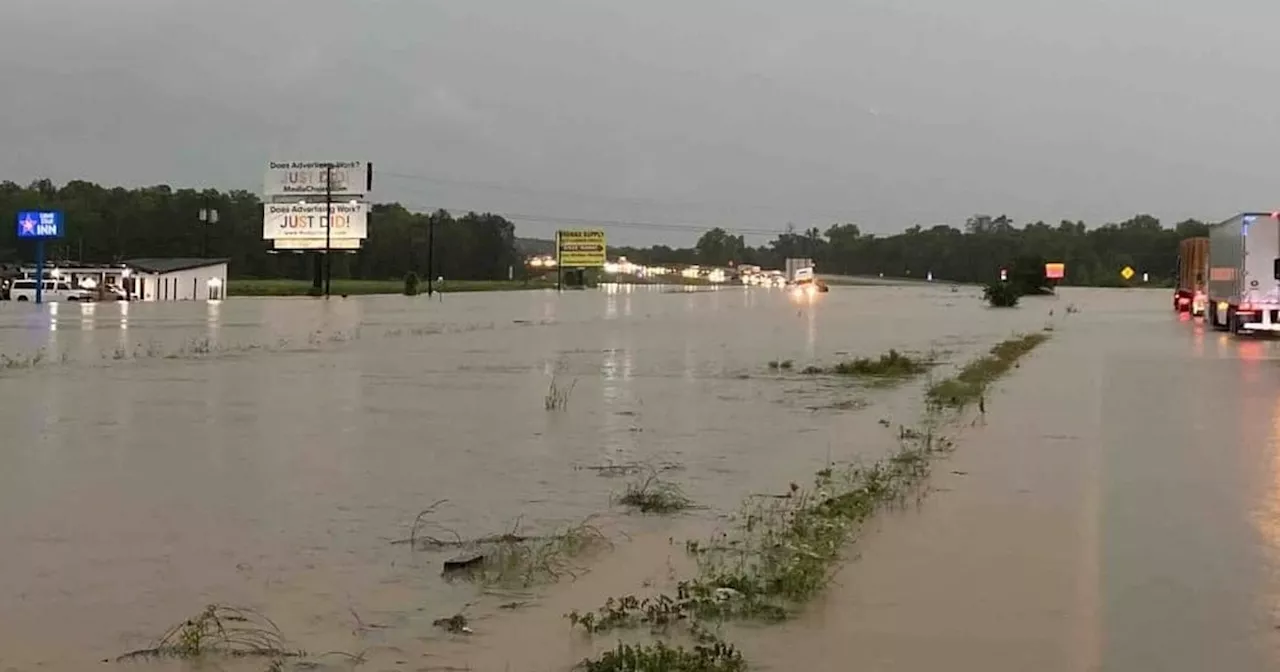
(208, 217)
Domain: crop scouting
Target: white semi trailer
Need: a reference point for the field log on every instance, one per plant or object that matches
(1244, 273)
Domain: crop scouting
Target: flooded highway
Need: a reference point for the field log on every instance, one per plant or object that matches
(1117, 507)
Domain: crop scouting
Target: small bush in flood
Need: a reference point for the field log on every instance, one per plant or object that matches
(410, 284)
(1001, 294)
(970, 383)
(785, 365)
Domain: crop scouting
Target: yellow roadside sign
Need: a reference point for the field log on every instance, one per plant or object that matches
(1127, 272)
(580, 248)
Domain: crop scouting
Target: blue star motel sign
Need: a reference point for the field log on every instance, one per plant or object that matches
(40, 224)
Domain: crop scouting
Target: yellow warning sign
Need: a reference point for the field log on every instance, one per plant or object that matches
(1127, 272)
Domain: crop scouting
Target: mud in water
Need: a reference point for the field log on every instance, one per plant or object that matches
(1114, 512)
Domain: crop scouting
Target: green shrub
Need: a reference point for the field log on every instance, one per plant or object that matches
(1001, 294)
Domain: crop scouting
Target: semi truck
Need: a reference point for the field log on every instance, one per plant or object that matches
(1193, 272)
(1244, 273)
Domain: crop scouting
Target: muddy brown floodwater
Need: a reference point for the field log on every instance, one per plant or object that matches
(1117, 509)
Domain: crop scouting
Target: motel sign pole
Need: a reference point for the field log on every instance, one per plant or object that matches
(39, 226)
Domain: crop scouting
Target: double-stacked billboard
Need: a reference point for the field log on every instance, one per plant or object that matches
(294, 204)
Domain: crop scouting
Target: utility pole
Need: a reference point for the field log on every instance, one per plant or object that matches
(431, 253)
(328, 227)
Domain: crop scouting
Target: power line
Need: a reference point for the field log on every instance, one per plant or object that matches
(634, 200)
(607, 223)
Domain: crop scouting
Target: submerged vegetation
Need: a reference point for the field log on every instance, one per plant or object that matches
(716, 656)
(892, 365)
(654, 495)
(970, 383)
(782, 550)
(219, 630)
(510, 559)
(557, 397)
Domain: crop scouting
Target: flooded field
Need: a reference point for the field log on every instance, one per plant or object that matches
(271, 453)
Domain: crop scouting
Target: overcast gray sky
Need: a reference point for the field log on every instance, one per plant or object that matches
(744, 113)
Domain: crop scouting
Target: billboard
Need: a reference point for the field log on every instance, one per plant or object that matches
(316, 244)
(580, 248)
(40, 224)
(300, 221)
(307, 178)
(1055, 271)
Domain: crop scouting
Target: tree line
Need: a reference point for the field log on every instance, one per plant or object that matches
(975, 253)
(105, 224)
(113, 224)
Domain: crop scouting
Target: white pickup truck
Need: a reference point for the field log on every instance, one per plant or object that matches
(24, 289)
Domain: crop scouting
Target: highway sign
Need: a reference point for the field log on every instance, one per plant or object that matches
(1127, 272)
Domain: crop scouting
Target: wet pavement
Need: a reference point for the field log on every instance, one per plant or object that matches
(1117, 510)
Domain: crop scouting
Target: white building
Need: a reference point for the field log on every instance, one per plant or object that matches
(175, 279)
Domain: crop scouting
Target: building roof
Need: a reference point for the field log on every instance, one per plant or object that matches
(159, 265)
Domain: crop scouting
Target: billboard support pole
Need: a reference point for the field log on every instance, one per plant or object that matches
(431, 254)
(39, 271)
(328, 227)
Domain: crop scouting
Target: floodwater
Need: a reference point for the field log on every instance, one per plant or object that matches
(1117, 510)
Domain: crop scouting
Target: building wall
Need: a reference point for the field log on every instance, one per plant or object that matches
(186, 285)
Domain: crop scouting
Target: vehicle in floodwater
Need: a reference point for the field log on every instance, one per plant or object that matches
(1190, 296)
(1244, 273)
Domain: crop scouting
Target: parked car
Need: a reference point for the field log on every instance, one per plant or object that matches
(24, 289)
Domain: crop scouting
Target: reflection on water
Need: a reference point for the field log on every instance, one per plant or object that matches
(273, 465)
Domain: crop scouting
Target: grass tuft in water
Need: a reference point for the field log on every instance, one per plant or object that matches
(531, 561)
(784, 365)
(512, 559)
(654, 495)
(219, 630)
(892, 365)
(970, 383)
(557, 397)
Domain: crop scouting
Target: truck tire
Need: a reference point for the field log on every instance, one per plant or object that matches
(1233, 320)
